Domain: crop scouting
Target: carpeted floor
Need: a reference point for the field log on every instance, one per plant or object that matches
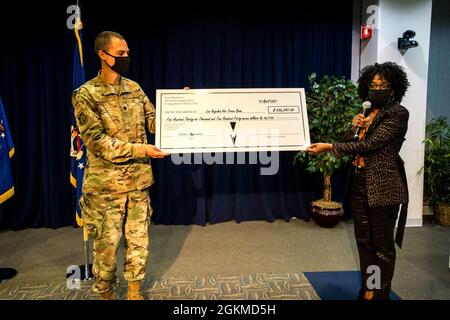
(245, 287)
(276, 255)
(338, 285)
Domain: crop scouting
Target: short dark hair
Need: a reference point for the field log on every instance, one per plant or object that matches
(389, 71)
(103, 39)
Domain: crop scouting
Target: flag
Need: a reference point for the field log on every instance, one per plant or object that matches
(77, 147)
(6, 153)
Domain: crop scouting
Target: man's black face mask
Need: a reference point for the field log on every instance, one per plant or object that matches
(121, 64)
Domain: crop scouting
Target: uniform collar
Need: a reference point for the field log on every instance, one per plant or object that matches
(108, 89)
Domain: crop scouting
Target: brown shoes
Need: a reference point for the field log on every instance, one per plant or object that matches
(134, 291)
(369, 295)
(108, 295)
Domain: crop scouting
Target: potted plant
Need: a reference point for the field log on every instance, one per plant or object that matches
(331, 103)
(436, 168)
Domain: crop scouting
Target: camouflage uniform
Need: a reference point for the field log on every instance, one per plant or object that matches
(113, 120)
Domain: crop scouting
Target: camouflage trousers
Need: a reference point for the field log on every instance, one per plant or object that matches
(107, 216)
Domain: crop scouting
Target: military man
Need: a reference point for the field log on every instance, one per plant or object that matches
(113, 114)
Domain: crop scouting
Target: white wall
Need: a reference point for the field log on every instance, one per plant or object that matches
(393, 19)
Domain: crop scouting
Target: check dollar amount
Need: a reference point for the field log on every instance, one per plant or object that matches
(231, 120)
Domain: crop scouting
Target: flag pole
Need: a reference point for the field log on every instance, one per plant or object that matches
(87, 266)
(86, 269)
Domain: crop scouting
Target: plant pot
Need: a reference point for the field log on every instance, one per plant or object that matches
(442, 213)
(327, 213)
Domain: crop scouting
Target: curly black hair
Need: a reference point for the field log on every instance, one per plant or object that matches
(389, 71)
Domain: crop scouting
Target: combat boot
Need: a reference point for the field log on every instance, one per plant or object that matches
(108, 295)
(134, 290)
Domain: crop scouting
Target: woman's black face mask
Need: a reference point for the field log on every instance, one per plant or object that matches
(379, 98)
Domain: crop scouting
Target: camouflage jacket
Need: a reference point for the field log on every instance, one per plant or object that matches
(113, 121)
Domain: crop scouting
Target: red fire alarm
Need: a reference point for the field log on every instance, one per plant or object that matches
(366, 31)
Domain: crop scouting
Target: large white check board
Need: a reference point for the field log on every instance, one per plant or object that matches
(231, 120)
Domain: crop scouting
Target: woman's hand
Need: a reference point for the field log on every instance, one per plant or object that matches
(358, 121)
(317, 148)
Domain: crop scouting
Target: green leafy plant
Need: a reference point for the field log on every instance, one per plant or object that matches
(332, 103)
(436, 167)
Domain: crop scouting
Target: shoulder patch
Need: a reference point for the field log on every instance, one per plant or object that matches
(81, 117)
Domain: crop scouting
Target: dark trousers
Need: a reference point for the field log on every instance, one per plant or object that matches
(374, 233)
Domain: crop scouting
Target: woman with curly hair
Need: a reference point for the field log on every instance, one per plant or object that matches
(377, 182)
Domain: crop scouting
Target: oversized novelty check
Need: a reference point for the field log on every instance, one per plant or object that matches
(231, 120)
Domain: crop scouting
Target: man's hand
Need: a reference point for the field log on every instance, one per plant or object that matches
(317, 148)
(154, 152)
(358, 121)
(1, 128)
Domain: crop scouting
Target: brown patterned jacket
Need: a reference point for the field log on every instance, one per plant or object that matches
(385, 173)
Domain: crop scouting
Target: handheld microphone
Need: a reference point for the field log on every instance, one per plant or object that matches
(366, 106)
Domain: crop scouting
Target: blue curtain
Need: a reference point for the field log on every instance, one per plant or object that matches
(220, 47)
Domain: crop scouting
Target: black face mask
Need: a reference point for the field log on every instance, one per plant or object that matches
(121, 64)
(379, 98)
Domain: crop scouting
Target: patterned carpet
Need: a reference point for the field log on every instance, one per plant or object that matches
(241, 287)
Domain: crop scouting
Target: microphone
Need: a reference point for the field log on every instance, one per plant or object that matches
(366, 106)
